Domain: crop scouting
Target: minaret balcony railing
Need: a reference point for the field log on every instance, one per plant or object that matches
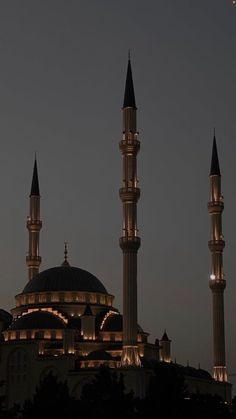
(130, 141)
(129, 146)
(216, 245)
(215, 206)
(130, 135)
(130, 243)
(33, 259)
(217, 285)
(32, 221)
(34, 224)
(129, 194)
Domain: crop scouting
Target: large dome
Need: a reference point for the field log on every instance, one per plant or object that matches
(64, 278)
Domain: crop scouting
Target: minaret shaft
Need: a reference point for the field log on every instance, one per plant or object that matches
(217, 281)
(218, 328)
(129, 120)
(34, 225)
(129, 242)
(130, 289)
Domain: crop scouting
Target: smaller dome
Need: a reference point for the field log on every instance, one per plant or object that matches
(37, 320)
(114, 323)
(5, 317)
(198, 373)
(5, 320)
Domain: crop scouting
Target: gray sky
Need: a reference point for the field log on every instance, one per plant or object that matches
(62, 76)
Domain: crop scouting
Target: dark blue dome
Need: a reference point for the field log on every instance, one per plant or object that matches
(64, 278)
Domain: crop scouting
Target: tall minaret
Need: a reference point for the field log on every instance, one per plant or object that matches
(217, 281)
(129, 242)
(34, 225)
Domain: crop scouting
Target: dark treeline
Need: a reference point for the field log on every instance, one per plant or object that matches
(105, 397)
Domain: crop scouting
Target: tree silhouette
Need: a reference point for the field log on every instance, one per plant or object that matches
(105, 395)
(166, 392)
(51, 399)
(199, 406)
(2, 398)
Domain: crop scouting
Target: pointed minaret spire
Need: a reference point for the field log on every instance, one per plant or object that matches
(129, 96)
(215, 166)
(34, 225)
(165, 337)
(217, 282)
(129, 242)
(35, 181)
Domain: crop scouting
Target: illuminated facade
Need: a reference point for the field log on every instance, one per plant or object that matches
(64, 321)
(217, 281)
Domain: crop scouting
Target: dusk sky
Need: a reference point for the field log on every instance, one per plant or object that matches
(62, 77)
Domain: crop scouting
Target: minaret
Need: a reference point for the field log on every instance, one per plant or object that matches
(165, 348)
(217, 281)
(129, 242)
(34, 225)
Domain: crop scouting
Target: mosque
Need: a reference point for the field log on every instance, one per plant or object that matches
(65, 321)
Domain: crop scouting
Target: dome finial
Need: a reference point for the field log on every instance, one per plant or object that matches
(65, 250)
(65, 262)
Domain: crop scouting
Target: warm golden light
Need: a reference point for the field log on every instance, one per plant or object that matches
(47, 309)
(106, 337)
(47, 334)
(23, 334)
(55, 298)
(130, 356)
(109, 313)
(220, 373)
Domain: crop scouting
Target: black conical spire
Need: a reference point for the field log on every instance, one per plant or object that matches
(165, 337)
(129, 97)
(215, 167)
(35, 181)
